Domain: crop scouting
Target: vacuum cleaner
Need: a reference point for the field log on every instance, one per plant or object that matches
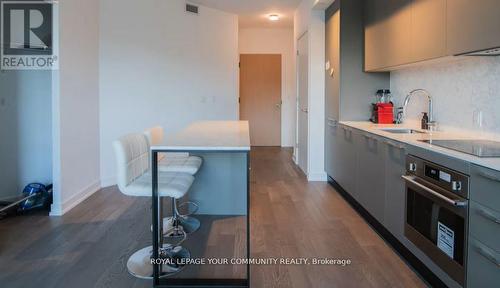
(35, 196)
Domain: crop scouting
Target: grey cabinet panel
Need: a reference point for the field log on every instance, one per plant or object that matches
(347, 160)
(428, 29)
(387, 33)
(485, 225)
(483, 265)
(331, 148)
(332, 80)
(485, 186)
(394, 213)
(375, 38)
(370, 168)
(472, 25)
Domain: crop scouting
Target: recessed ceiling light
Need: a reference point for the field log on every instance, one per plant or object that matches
(274, 17)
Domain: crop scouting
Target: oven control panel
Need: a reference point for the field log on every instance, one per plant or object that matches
(441, 176)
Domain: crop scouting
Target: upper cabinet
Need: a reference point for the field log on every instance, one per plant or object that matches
(399, 32)
(472, 25)
(387, 33)
(428, 30)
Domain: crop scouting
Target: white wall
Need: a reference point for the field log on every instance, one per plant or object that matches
(277, 41)
(162, 65)
(458, 87)
(313, 21)
(25, 130)
(76, 104)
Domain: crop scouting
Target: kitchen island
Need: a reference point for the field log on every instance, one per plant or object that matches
(221, 189)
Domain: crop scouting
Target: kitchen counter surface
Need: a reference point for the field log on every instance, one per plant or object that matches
(209, 136)
(412, 139)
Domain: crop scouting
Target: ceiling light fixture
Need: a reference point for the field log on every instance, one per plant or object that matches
(274, 17)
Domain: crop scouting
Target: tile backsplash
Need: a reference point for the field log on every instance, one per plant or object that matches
(461, 89)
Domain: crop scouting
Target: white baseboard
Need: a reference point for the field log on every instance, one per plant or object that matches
(75, 199)
(108, 181)
(319, 176)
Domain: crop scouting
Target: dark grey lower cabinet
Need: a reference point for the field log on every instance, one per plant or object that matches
(330, 146)
(483, 267)
(346, 164)
(394, 213)
(371, 174)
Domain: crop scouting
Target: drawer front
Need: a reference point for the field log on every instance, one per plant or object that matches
(485, 225)
(483, 265)
(485, 187)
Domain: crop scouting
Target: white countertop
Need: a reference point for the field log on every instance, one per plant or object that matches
(412, 139)
(209, 136)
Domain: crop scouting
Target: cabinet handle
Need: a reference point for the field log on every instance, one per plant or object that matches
(488, 255)
(488, 215)
(489, 176)
(332, 122)
(346, 128)
(370, 137)
(399, 146)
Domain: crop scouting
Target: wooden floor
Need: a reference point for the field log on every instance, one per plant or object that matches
(89, 246)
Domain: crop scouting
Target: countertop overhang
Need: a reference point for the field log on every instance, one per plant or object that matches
(209, 136)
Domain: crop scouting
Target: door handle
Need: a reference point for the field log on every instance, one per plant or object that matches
(411, 180)
(278, 105)
(304, 110)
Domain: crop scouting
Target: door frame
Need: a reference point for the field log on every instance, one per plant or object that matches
(296, 151)
(282, 83)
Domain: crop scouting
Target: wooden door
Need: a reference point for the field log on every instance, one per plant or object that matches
(260, 97)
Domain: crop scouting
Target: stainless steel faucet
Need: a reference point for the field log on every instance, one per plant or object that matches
(407, 100)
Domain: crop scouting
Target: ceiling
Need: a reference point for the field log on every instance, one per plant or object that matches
(254, 13)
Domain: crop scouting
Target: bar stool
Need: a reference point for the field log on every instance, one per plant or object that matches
(176, 162)
(134, 179)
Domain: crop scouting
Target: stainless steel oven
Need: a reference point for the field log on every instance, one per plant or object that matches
(437, 214)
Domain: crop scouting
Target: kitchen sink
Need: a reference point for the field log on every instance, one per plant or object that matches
(402, 131)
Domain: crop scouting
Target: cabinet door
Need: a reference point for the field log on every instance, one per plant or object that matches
(394, 213)
(375, 38)
(398, 28)
(483, 265)
(387, 33)
(370, 168)
(472, 25)
(330, 147)
(332, 75)
(428, 29)
(346, 169)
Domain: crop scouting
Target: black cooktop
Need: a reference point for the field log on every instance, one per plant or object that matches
(479, 148)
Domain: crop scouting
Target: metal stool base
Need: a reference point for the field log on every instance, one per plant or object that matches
(139, 264)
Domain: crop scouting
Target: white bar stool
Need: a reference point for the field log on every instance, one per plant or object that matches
(134, 179)
(176, 162)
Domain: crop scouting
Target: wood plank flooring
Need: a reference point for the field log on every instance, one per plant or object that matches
(89, 246)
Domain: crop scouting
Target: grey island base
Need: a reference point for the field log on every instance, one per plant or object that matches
(221, 189)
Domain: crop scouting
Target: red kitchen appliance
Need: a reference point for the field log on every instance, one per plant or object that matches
(382, 113)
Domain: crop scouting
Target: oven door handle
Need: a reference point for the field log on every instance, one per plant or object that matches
(434, 193)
